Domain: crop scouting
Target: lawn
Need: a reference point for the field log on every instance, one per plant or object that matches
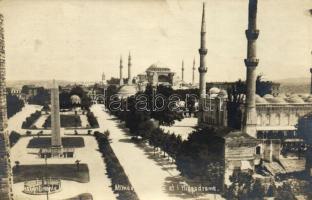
(67, 142)
(63, 171)
(66, 121)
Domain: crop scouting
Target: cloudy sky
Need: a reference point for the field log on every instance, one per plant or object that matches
(78, 40)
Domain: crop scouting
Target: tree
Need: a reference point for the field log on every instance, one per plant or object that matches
(236, 95)
(284, 192)
(271, 190)
(14, 105)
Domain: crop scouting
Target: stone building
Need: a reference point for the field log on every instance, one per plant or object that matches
(6, 178)
(157, 74)
(239, 146)
(269, 123)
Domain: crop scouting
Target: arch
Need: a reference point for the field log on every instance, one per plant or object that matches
(258, 150)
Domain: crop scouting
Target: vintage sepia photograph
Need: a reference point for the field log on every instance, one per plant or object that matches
(155, 100)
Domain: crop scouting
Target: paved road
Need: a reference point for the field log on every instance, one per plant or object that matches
(16, 121)
(146, 176)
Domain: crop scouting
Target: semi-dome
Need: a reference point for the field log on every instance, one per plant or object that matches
(214, 90)
(75, 99)
(127, 91)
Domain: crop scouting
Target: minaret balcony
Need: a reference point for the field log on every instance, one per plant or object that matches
(202, 69)
(202, 51)
(252, 34)
(251, 62)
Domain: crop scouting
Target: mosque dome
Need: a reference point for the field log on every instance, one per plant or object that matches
(214, 90)
(158, 66)
(282, 95)
(75, 99)
(277, 100)
(304, 95)
(268, 96)
(260, 100)
(295, 99)
(127, 91)
(309, 99)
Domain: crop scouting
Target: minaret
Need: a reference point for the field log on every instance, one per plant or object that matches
(311, 78)
(251, 62)
(129, 70)
(202, 52)
(182, 71)
(5, 165)
(120, 73)
(103, 78)
(56, 141)
(193, 70)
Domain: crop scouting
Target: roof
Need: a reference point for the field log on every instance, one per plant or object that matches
(158, 66)
(127, 91)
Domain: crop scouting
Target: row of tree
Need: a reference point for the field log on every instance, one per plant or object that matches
(29, 121)
(14, 105)
(114, 169)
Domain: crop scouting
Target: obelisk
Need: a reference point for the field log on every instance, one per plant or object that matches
(56, 140)
(5, 166)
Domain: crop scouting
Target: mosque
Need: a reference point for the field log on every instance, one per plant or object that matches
(130, 88)
(269, 123)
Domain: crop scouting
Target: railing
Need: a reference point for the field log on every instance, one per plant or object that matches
(42, 186)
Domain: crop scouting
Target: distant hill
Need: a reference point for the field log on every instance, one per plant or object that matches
(295, 85)
(43, 83)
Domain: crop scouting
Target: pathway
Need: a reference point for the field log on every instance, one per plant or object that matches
(149, 178)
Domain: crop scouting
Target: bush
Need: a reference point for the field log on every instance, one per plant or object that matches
(92, 120)
(13, 138)
(29, 121)
(114, 169)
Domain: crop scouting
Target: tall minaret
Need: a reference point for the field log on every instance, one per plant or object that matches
(129, 70)
(193, 70)
(182, 71)
(311, 78)
(5, 165)
(251, 62)
(202, 52)
(120, 73)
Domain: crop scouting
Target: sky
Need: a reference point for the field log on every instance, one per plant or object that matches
(78, 40)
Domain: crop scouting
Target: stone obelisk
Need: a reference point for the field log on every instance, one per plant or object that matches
(5, 166)
(251, 62)
(56, 140)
